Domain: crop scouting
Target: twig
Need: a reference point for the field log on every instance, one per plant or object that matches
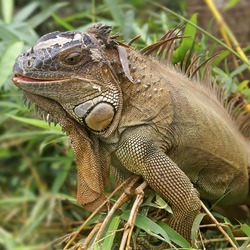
(202, 241)
(90, 236)
(213, 225)
(224, 239)
(122, 199)
(131, 221)
(218, 225)
(74, 235)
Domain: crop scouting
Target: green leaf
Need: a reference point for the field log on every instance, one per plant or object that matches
(246, 92)
(238, 70)
(116, 12)
(195, 228)
(220, 57)
(43, 15)
(7, 10)
(17, 31)
(12, 105)
(143, 31)
(243, 85)
(174, 236)
(111, 233)
(230, 233)
(246, 229)
(186, 43)
(231, 3)
(148, 226)
(6, 32)
(7, 60)
(62, 22)
(7, 239)
(128, 24)
(25, 12)
(36, 217)
(60, 178)
(162, 204)
(17, 200)
(27, 135)
(36, 122)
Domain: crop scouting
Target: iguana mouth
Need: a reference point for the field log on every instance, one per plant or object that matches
(19, 79)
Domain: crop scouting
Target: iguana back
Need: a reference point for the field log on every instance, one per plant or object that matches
(190, 124)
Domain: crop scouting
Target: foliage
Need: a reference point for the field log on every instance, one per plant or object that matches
(37, 173)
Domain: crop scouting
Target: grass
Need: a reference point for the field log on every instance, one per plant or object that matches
(38, 173)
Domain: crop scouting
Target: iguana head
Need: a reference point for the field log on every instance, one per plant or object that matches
(76, 70)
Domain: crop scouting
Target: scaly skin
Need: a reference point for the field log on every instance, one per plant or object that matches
(126, 111)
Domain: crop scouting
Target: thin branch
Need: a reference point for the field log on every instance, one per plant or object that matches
(125, 196)
(131, 221)
(91, 235)
(218, 225)
(74, 235)
(224, 239)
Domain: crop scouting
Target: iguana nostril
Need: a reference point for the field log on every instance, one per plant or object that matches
(29, 63)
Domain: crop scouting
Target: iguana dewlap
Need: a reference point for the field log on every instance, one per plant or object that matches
(126, 111)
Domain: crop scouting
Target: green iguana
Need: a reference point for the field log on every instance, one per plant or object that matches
(129, 113)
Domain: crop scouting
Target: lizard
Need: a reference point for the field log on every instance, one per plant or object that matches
(129, 112)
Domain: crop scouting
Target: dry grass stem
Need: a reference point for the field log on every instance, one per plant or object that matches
(91, 235)
(125, 196)
(227, 34)
(218, 226)
(75, 234)
(131, 221)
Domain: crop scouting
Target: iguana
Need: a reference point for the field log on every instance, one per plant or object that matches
(129, 112)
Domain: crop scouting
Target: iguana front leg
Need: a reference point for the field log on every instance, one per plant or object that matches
(141, 156)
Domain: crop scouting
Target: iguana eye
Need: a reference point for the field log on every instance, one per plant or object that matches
(73, 58)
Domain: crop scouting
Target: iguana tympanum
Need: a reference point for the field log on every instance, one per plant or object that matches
(130, 113)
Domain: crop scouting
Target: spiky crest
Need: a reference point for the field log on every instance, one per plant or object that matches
(163, 52)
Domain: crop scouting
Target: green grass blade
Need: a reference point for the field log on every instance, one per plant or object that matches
(111, 233)
(36, 123)
(60, 178)
(17, 200)
(246, 229)
(116, 12)
(25, 12)
(7, 60)
(37, 215)
(174, 236)
(195, 227)
(6, 240)
(148, 226)
(186, 43)
(43, 15)
(7, 10)
(62, 22)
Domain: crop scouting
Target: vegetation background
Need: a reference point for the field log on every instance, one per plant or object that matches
(37, 169)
